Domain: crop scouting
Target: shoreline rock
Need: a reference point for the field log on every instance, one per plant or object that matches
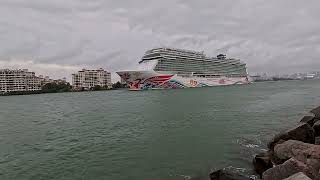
(224, 174)
(308, 119)
(287, 169)
(292, 155)
(262, 162)
(316, 112)
(301, 132)
(316, 128)
(295, 153)
(298, 176)
(317, 140)
(297, 149)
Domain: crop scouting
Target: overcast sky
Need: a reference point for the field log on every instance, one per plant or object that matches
(58, 37)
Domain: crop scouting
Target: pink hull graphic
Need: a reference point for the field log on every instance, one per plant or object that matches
(141, 80)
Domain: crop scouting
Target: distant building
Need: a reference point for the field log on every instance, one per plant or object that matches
(256, 78)
(18, 80)
(310, 76)
(46, 79)
(87, 79)
(259, 77)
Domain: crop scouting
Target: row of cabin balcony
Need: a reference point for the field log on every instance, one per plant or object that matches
(196, 56)
(194, 64)
(164, 65)
(213, 61)
(175, 61)
(212, 74)
(200, 69)
(208, 71)
(171, 51)
(191, 64)
(182, 55)
(219, 75)
(234, 61)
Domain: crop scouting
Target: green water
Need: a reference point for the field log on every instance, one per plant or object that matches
(158, 135)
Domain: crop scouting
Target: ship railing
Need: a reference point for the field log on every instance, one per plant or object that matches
(207, 75)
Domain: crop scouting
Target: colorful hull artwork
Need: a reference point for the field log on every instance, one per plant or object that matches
(143, 80)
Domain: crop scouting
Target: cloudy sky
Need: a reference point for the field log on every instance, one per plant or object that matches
(58, 37)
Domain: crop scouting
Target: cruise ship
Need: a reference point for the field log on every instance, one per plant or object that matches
(167, 68)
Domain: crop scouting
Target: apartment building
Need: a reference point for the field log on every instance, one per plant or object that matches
(18, 80)
(87, 79)
(46, 79)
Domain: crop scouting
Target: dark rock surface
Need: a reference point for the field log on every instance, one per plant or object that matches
(223, 174)
(316, 128)
(314, 164)
(287, 169)
(262, 162)
(302, 132)
(298, 176)
(308, 119)
(202, 177)
(316, 112)
(317, 140)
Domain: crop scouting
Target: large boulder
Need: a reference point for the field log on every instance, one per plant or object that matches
(298, 176)
(301, 132)
(287, 169)
(298, 150)
(314, 164)
(308, 119)
(317, 140)
(316, 112)
(224, 174)
(262, 162)
(316, 128)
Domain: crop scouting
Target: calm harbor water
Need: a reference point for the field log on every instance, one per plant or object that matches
(160, 134)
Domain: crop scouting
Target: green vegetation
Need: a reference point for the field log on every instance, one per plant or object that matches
(62, 87)
(47, 88)
(56, 87)
(20, 93)
(118, 85)
(99, 88)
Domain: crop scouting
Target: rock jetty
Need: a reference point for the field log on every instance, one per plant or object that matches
(292, 155)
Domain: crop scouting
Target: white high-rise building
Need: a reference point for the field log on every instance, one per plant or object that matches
(87, 79)
(18, 80)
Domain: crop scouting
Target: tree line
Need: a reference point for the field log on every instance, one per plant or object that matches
(63, 87)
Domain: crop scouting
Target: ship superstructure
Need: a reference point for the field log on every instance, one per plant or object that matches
(177, 68)
(179, 61)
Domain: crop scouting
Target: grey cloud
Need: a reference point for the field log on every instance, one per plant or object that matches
(270, 36)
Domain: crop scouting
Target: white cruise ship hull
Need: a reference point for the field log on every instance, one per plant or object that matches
(143, 80)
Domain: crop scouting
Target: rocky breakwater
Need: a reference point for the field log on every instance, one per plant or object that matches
(293, 154)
